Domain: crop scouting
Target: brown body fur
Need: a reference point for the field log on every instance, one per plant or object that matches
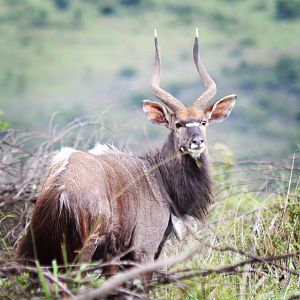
(103, 205)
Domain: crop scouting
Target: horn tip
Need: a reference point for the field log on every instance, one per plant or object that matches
(196, 33)
(155, 33)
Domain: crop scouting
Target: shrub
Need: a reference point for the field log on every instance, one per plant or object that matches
(130, 2)
(287, 70)
(128, 72)
(287, 9)
(247, 41)
(62, 4)
(40, 17)
(222, 20)
(106, 10)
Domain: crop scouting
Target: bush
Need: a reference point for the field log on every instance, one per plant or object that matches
(287, 9)
(40, 17)
(287, 70)
(106, 10)
(128, 72)
(247, 41)
(62, 4)
(130, 2)
(224, 21)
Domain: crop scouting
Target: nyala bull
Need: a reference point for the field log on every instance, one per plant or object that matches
(104, 203)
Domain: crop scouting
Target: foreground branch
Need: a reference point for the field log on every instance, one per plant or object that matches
(115, 282)
(119, 279)
(231, 269)
(13, 268)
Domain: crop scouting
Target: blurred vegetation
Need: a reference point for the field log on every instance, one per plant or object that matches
(3, 123)
(287, 9)
(79, 57)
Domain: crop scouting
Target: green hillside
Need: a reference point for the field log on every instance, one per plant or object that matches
(80, 57)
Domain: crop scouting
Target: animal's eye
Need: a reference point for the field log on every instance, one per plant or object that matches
(178, 125)
(203, 123)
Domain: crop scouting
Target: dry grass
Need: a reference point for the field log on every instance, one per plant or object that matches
(247, 249)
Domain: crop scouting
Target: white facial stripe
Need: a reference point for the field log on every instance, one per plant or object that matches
(192, 124)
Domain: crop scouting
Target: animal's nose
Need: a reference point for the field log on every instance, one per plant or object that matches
(197, 140)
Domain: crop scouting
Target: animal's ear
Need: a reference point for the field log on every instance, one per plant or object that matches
(157, 113)
(220, 110)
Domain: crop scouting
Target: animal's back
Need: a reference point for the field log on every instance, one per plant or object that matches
(96, 195)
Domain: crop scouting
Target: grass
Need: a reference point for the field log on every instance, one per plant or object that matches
(253, 234)
(256, 213)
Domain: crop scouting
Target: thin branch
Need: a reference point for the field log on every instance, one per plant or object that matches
(119, 279)
(21, 268)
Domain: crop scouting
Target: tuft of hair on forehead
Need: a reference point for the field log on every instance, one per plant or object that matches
(191, 113)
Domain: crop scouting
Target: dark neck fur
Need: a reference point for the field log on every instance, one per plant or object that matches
(187, 183)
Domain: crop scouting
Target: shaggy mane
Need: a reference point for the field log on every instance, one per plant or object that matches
(187, 182)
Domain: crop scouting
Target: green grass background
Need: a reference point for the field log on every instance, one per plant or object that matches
(80, 57)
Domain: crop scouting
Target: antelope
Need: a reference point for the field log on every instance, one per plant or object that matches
(104, 203)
